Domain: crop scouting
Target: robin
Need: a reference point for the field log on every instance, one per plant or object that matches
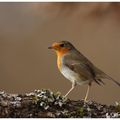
(77, 68)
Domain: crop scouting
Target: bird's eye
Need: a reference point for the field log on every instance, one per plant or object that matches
(62, 45)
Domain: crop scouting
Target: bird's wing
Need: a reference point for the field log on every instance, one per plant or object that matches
(83, 67)
(84, 70)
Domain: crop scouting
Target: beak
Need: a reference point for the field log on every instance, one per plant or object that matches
(50, 47)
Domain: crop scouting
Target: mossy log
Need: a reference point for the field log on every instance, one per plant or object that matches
(46, 104)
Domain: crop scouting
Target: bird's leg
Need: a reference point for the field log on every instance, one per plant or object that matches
(73, 86)
(88, 89)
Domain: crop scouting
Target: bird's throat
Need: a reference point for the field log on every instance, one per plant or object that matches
(60, 54)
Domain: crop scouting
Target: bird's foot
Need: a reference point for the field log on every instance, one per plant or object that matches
(85, 101)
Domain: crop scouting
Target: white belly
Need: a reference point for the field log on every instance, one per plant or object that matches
(72, 76)
(69, 74)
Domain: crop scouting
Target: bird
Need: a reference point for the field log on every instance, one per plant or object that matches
(77, 68)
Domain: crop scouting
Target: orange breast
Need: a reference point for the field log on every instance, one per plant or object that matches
(59, 62)
(60, 54)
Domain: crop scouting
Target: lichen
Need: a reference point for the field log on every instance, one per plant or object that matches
(46, 98)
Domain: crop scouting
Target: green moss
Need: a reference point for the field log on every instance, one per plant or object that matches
(35, 99)
(81, 111)
(117, 106)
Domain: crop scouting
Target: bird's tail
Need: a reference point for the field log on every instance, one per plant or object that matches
(99, 81)
(110, 78)
(103, 75)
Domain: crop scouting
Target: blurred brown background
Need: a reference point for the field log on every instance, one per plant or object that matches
(27, 29)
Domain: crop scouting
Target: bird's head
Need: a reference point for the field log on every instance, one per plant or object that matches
(62, 47)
